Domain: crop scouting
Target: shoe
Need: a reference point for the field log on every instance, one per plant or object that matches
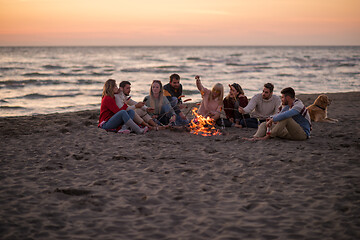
(144, 130)
(124, 131)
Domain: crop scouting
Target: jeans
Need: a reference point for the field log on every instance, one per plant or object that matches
(180, 122)
(118, 119)
(224, 122)
(164, 116)
(251, 122)
(174, 104)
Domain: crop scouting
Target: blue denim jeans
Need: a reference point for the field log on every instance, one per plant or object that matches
(251, 122)
(118, 119)
(174, 104)
(164, 116)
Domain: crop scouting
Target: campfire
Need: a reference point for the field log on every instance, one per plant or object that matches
(203, 126)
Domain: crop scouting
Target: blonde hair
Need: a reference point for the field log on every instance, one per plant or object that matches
(161, 95)
(218, 87)
(108, 89)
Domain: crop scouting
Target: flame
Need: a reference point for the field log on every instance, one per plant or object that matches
(203, 126)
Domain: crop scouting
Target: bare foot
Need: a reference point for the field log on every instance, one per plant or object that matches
(249, 139)
(253, 139)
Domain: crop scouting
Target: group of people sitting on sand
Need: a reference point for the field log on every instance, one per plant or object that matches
(284, 117)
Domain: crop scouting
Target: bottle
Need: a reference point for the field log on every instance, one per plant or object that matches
(268, 131)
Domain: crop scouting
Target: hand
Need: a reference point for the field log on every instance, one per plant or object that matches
(231, 120)
(127, 101)
(181, 106)
(269, 122)
(173, 118)
(139, 104)
(182, 115)
(197, 77)
(154, 116)
(241, 110)
(210, 114)
(150, 110)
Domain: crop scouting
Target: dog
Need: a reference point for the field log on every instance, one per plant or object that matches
(318, 110)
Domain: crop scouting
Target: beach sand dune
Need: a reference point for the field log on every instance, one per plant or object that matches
(64, 178)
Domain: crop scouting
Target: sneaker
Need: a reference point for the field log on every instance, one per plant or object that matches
(124, 131)
(144, 130)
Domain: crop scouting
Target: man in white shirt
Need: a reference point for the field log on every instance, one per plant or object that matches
(260, 107)
(141, 111)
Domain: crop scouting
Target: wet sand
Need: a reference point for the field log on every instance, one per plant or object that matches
(64, 178)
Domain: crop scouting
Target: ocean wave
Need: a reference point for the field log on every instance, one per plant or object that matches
(20, 84)
(198, 59)
(248, 71)
(236, 55)
(40, 96)
(194, 59)
(91, 67)
(52, 67)
(36, 74)
(158, 69)
(232, 64)
(346, 65)
(297, 59)
(309, 75)
(190, 92)
(23, 83)
(63, 74)
(95, 95)
(11, 107)
(10, 68)
(88, 82)
(101, 74)
(247, 64)
(284, 75)
(352, 74)
(155, 59)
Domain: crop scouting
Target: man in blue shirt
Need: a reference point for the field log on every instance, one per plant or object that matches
(292, 122)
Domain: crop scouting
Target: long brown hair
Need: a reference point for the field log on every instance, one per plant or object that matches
(161, 95)
(238, 88)
(108, 89)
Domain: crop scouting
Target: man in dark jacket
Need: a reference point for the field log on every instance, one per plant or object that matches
(173, 92)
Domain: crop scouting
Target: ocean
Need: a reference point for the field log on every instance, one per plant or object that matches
(42, 80)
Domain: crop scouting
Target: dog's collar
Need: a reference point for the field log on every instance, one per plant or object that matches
(320, 107)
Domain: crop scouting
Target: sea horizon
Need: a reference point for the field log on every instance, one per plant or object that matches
(49, 79)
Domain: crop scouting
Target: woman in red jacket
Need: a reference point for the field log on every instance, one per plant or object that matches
(232, 101)
(113, 118)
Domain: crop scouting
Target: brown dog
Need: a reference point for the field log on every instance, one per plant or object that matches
(318, 110)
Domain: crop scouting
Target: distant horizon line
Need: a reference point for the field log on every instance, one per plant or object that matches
(3, 46)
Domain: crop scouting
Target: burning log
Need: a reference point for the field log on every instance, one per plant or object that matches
(204, 126)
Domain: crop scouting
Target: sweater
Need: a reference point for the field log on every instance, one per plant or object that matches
(108, 109)
(207, 104)
(229, 105)
(157, 108)
(120, 99)
(169, 91)
(263, 108)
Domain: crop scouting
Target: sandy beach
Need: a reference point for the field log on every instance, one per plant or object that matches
(64, 178)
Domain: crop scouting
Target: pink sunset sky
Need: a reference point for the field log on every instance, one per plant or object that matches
(185, 22)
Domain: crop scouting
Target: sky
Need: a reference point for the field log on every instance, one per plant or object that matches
(179, 22)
